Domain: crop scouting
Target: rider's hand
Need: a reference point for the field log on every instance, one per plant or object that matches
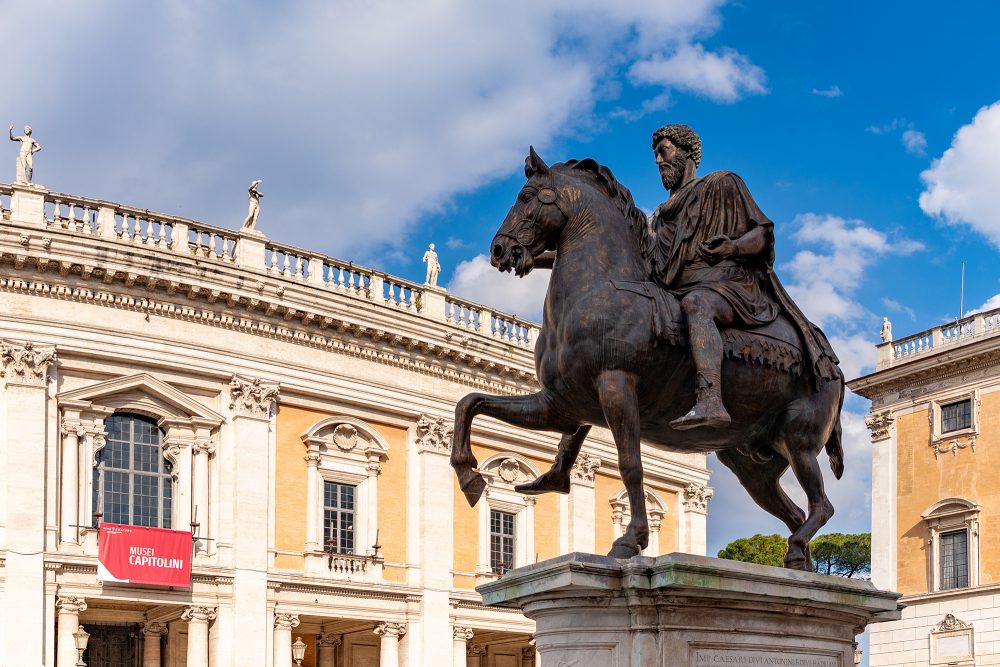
(716, 249)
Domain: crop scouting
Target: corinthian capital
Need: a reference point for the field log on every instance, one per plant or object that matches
(696, 497)
(879, 424)
(252, 398)
(585, 468)
(26, 364)
(330, 639)
(434, 435)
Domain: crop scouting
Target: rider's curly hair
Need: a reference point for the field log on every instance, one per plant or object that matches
(681, 136)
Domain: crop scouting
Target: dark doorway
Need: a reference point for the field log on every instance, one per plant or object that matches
(113, 645)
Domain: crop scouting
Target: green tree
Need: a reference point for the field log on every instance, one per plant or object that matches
(834, 553)
(760, 549)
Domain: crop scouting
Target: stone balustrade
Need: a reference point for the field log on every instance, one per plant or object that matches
(37, 208)
(961, 332)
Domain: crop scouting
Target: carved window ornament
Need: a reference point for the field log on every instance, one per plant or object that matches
(946, 440)
(621, 514)
(945, 517)
(952, 642)
(343, 450)
(187, 425)
(502, 473)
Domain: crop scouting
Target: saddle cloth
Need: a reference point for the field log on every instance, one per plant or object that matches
(776, 344)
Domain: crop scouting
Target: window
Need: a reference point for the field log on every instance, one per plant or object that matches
(132, 480)
(954, 560)
(956, 416)
(501, 541)
(338, 517)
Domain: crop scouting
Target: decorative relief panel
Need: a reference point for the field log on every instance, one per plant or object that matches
(26, 364)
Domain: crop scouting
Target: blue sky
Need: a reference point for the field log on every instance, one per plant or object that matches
(864, 130)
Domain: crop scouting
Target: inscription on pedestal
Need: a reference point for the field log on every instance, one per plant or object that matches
(739, 657)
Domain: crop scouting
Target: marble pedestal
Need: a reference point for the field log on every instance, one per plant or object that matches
(683, 610)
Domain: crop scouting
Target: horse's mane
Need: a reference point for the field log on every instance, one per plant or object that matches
(618, 193)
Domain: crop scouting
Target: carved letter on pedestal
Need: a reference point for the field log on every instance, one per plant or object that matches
(252, 398)
(26, 364)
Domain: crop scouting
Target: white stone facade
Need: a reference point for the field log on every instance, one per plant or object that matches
(223, 338)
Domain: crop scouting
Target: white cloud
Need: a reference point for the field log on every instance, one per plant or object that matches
(897, 307)
(832, 91)
(915, 142)
(991, 304)
(961, 185)
(477, 280)
(359, 117)
(725, 76)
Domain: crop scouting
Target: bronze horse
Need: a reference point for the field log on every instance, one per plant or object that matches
(612, 351)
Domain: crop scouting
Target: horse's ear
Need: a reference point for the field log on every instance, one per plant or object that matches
(534, 165)
(590, 164)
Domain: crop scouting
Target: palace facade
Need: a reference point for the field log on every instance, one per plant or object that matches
(293, 411)
(935, 427)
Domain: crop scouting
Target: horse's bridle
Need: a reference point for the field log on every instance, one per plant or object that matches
(526, 231)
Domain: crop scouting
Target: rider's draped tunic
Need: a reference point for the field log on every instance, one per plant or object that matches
(720, 205)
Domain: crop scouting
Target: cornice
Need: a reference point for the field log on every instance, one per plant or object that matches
(944, 365)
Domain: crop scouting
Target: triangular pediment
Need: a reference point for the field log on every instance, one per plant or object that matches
(141, 391)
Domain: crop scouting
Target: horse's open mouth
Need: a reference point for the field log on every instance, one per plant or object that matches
(507, 256)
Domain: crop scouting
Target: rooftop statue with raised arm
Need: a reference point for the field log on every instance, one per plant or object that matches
(25, 158)
(712, 247)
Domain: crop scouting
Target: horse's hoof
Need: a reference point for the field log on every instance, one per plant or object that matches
(549, 482)
(472, 485)
(621, 550)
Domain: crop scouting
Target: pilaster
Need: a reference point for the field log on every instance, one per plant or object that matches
(696, 498)
(68, 610)
(580, 504)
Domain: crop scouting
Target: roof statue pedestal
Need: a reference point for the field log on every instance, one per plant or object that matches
(27, 203)
(681, 609)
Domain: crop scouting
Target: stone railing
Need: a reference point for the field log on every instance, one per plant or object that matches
(346, 565)
(165, 233)
(966, 330)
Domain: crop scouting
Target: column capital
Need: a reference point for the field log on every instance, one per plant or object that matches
(585, 469)
(154, 629)
(330, 639)
(26, 364)
(68, 604)
(477, 649)
(72, 427)
(879, 423)
(696, 497)
(198, 614)
(462, 632)
(202, 446)
(388, 629)
(313, 458)
(252, 397)
(434, 434)
(286, 621)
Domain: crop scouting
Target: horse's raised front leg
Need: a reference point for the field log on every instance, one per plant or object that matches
(558, 476)
(532, 412)
(619, 401)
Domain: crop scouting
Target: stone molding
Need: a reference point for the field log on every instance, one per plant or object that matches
(949, 623)
(434, 434)
(199, 614)
(585, 469)
(26, 364)
(463, 633)
(71, 605)
(389, 629)
(880, 423)
(286, 621)
(252, 397)
(330, 639)
(696, 497)
(154, 629)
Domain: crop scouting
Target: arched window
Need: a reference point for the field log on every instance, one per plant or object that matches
(132, 480)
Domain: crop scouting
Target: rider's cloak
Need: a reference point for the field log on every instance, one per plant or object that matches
(720, 205)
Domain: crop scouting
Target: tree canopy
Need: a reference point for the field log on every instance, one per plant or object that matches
(838, 554)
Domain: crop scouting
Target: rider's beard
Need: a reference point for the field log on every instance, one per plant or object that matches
(672, 177)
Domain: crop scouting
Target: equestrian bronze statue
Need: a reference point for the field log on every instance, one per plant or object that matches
(673, 330)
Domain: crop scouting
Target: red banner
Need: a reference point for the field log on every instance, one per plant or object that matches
(140, 555)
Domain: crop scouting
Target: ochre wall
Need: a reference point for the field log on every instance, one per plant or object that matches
(291, 492)
(923, 480)
(668, 527)
(605, 486)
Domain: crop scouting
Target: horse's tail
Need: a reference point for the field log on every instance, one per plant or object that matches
(834, 447)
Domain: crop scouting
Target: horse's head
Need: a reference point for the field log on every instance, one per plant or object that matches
(534, 222)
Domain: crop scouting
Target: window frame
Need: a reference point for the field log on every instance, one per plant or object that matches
(949, 516)
(327, 547)
(502, 473)
(952, 441)
(503, 537)
(956, 571)
(166, 475)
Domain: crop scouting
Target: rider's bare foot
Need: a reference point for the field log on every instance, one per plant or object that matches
(551, 481)
(708, 412)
